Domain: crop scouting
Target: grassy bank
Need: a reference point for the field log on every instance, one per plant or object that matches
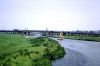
(16, 50)
(87, 38)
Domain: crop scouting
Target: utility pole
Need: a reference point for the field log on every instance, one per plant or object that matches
(27, 34)
(27, 31)
(46, 32)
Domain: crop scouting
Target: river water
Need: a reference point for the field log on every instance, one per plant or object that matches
(79, 53)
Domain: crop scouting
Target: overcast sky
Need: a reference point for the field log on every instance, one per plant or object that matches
(53, 14)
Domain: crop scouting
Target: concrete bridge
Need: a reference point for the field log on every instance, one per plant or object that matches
(29, 32)
(48, 33)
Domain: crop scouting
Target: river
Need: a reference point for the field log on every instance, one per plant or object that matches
(79, 53)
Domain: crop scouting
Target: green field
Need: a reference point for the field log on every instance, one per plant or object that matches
(16, 50)
(87, 38)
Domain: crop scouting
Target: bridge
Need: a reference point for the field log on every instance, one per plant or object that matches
(29, 32)
(49, 33)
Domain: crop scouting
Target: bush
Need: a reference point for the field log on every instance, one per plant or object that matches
(34, 52)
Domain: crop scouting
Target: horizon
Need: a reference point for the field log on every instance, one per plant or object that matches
(51, 30)
(56, 15)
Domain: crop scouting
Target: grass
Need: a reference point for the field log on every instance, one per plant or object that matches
(16, 50)
(12, 43)
(87, 38)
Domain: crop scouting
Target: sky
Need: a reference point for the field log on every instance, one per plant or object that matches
(65, 15)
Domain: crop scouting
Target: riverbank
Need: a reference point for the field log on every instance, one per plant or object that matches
(16, 50)
(86, 38)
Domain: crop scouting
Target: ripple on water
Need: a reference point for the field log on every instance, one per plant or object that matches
(72, 58)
